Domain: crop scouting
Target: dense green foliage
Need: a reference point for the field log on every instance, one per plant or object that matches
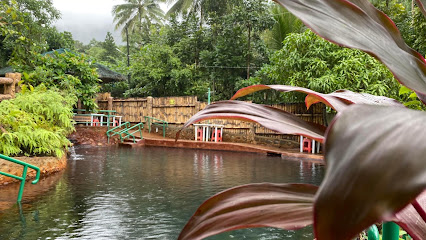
(39, 119)
(221, 46)
(26, 26)
(216, 49)
(216, 45)
(65, 71)
(309, 61)
(26, 32)
(111, 52)
(36, 122)
(156, 65)
(410, 21)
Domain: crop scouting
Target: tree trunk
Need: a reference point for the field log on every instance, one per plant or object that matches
(249, 51)
(128, 53)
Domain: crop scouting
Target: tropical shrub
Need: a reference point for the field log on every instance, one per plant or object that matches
(67, 71)
(375, 166)
(306, 60)
(157, 71)
(36, 122)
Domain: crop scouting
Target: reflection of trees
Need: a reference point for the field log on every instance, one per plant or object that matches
(147, 192)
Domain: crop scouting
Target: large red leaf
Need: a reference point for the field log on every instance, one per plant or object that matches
(338, 100)
(287, 206)
(422, 6)
(357, 24)
(411, 221)
(272, 118)
(375, 167)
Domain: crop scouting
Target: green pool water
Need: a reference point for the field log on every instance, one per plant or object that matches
(145, 193)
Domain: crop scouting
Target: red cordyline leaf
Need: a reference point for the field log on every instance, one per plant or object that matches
(272, 118)
(411, 221)
(422, 6)
(375, 167)
(358, 24)
(338, 100)
(287, 206)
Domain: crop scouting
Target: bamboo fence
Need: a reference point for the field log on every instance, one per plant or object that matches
(178, 110)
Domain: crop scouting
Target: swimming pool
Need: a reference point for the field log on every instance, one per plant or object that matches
(146, 193)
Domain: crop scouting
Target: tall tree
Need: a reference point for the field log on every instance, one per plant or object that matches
(201, 8)
(110, 48)
(134, 14)
(180, 6)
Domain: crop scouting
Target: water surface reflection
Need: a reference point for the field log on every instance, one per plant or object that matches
(147, 193)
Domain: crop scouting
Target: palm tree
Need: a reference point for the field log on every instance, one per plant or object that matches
(285, 23)
(200, 7)
(180, 6)
(135, 13)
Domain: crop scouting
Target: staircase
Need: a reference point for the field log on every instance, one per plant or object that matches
(127, 133)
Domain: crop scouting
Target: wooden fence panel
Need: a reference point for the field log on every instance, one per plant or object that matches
(178, 110)
(103, 104)
(132, 109)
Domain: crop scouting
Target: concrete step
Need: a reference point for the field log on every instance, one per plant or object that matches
(130, 143)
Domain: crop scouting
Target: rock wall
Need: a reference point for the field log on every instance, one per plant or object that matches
(47, 165)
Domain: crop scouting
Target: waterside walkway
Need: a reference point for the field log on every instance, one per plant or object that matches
(159, 141)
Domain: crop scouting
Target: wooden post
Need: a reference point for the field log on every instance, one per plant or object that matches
(196, 108)
(79, 106)
(149, 103)
(13, 88)
(8, 82)
(110, 99)
(252, 133)
(17, 80)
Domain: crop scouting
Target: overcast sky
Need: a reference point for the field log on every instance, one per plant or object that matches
(88, 19)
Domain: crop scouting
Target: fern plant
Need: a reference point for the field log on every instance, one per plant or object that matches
(36, 122)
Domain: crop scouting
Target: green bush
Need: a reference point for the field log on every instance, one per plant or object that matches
(36, 122)
(67, 71)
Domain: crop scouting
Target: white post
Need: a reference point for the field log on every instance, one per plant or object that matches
(91, 120)
(313, 146)
(221, 132)
(215, 133)
(301, 143)
(102, 120)
(196, 132)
